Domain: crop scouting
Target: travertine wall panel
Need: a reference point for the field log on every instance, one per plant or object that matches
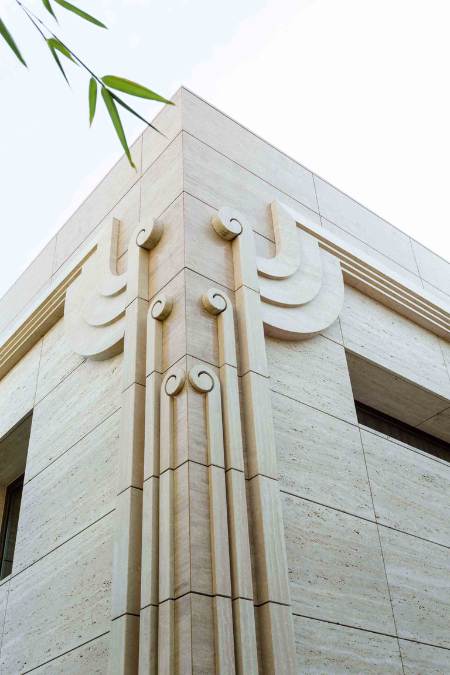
(320, 457)
(58, 360)
(218, 181)
(314, 372)
(432, 267)
(63, 417)
(36, 275)
(95, 207)
(410, 491)
(340, 209)
(167, 260)
(439, 425)
(4, 590)
(18, 388)
(60, 602)
(91, 658)
(246, 149)
(417, 573)
(168, 121)
(335, 567)
(327, 648)
(205, 252)
(69, 495)
(419, 659)
(383, 336)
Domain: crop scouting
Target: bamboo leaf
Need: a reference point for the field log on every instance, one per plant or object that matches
(56, 44)
(56, 57)
(49, 8)
(134, 112)
(132, 88)
(6, 35)
(80, 12)
(92, 99)
(115, 118)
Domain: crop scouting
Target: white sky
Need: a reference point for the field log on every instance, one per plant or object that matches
(357, 90)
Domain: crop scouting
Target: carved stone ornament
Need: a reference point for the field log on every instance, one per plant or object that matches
(301, 286)
(94, 313)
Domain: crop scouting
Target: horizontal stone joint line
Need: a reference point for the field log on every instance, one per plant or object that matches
(83, 644)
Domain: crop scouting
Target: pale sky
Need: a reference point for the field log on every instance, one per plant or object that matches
(356, 90)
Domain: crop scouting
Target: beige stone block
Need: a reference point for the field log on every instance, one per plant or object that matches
(391, 341)
(335, 567)
(83, 480)
(96, 206)
(220, 550)
(124, 653)
(328, 648)
(75, 582)
(437, 296)
(320, 457)
(205, 252)
(417, 573)
(390, 393)
(223, 635)
(268, 541)
(419, 659)
(258, 422)
(432, 267)
(13, 455)
(167, 258)
(313, 372)
(410, 491)
(174, 326)
(126, 589)
(218, 181)
(131, 457)
(276, 639)
(246, 149)
(34, 277)
(168, 121)
(63, 417)
(150, 553)
(148, 641)
(245, 637)
(135, 343)
(17, 390)
(91, 658)
(359, 221)
(58, 360)
(194, 635)
(166, 639)
(241, 570)
(251, 332)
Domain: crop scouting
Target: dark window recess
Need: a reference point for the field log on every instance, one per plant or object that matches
(11, 511)
(402, 432)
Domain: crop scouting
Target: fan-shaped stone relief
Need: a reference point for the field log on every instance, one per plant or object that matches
(94, 313)
(301, 286)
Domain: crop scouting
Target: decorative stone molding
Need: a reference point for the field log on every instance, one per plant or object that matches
(94, 314)
(301, 287)
(271, 593)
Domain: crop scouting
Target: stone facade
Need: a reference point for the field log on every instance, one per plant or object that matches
(200, 494)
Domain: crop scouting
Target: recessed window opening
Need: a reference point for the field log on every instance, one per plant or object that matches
(416, 438)
(13, 456)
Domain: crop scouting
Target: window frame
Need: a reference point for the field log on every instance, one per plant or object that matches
(10, 491)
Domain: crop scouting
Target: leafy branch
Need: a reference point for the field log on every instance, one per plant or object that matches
(107, 83)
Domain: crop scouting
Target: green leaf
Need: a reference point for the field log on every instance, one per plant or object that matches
(133, 112)
(6, 35)
(132, 88)
(115, 118)
(48, 7)
(92, 99)
(79, 12)
(56, 44)
(56, 57)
